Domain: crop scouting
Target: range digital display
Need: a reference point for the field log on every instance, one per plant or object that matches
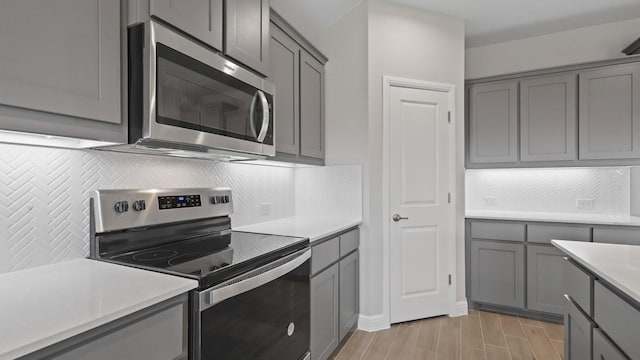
(179, 201)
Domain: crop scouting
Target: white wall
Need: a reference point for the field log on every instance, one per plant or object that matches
(373, 40)
(550, 190)
(592, 43)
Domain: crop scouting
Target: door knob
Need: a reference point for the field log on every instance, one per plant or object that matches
(397, 218)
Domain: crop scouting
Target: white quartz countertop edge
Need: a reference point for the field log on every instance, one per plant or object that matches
(615, 263)
(554, 217)
(18, 341)
(314, 228)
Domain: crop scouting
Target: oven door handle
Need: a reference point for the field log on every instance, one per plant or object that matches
(233, 287)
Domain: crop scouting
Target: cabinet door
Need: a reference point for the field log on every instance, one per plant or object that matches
(548, 125)
(493, 122)
(545, 269)
(63, 57)
(577, 333)
(603, 349)
(610, 113)
(285, 75)
(201, 19)
(247, 33)
(497, 273)
(349, 293)
(311, 106)
(325, 288)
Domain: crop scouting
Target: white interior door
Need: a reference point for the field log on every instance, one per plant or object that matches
(419, 179)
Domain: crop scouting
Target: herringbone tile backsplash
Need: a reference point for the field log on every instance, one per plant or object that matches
(44, 195)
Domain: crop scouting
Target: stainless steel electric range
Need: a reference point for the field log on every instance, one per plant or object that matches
(253, 297)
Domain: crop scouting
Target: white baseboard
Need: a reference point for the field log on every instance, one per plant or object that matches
(461, 309)
(373, 323)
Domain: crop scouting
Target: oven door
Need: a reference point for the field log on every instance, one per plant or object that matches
(261, 315)
(196, 97)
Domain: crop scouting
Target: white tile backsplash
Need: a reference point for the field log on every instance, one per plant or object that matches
(44, 195)
(603, 191)
(332, 191)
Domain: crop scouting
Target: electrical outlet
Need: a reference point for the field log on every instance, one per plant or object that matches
(265, 209)
(585, 204)
(490, 201)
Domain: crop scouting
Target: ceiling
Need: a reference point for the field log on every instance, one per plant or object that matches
(487, 21)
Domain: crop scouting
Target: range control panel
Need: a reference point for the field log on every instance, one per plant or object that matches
(178, 202)
(128, 209)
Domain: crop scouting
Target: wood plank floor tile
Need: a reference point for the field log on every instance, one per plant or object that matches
(519, 348)
(404, 342)
(473, 354)
(511, 325)
(559, 345)
(530, 322)
(379, 347)
(492, 329)
(554, 331)
(472, 332)
(540, 343)
(448, 347)
(427, 340)
(355, 348)
(497, 352)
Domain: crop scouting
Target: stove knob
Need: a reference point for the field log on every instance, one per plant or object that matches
(139, 205)
(215, 200)
(121, 207)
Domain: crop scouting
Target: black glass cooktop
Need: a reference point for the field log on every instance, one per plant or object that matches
(214, 259)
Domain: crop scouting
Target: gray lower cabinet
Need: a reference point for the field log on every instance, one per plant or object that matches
(610, 112)
(325, 299)
(545, 266)
(349, 293)
(604, 349)
(617, 318)
(201, 19)
(493, 122)
(246, 36)
(617, 235)
(548, 116)
(156, 333)
(61, 71)
(497, 273)
(577, 333)
(311, 106)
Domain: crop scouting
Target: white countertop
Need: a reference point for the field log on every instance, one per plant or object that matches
(615, 263)
(553, 217)
(45, 305)
(314, 228)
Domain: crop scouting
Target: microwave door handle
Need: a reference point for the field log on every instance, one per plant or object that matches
(218, 295)
(265, 116)
(252, 111)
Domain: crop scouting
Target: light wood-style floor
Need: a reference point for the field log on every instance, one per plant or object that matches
(480, 335)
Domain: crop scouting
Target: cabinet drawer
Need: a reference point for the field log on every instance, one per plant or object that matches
(545, 233)
(578, 285)
(323, 255)
(349, 242)
(629, 236)
(604, 349)
(497, 230)
(618, 319)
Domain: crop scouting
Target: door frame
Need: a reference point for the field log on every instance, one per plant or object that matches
(387, 83)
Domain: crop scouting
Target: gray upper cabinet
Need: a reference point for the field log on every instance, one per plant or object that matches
(548, 128)
(247, 33)
(325, 288)
(544, 279)
(311, 106)
(61, 57)
(349, 293)
(201, 19)
(285, 75)
(493, 122)
(610, 113)
(497, 273)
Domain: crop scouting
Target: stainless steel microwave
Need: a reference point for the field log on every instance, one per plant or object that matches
(186, 100)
